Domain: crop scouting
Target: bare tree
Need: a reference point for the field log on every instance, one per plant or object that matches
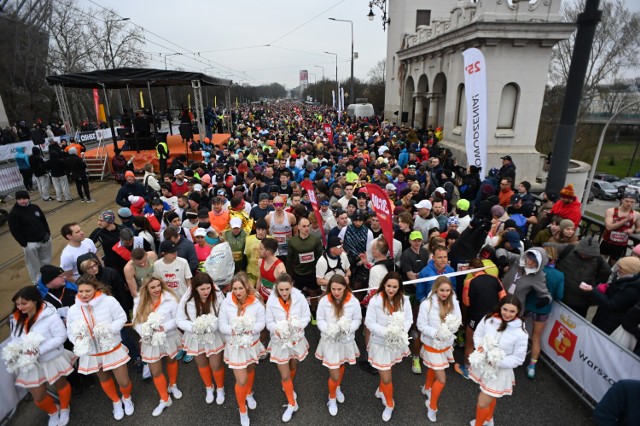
(615, 50)
(378, 73)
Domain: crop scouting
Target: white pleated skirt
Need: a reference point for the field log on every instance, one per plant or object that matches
(437, 361)
(334, 354)
(194, 347)
(170, 348)
(281, 353)
(241, 357)
(47, 371)
(500, 386)
(89, 364)
(383, 358)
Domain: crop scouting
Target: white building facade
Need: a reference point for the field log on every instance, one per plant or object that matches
(425, 85)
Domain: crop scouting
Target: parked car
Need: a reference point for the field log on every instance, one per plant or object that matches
(604, 190)
(606, 177)
(633, 186)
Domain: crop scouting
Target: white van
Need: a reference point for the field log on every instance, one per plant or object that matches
(360, 110)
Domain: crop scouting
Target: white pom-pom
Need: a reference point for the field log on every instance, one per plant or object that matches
(204, 328)
(395, 336)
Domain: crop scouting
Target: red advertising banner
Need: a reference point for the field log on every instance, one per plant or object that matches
(96, 102)
(382, 207)
(329, 132)
(308, 186)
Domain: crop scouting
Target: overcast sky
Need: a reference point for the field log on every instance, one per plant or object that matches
(232, 35)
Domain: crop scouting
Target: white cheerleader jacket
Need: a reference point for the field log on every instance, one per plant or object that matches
(168, 308)
(513, 340)
(229, 311)
(49, 325)
(275, 312)
(185, 320)
(377, 318)
(102, 309)
(429, 320)
(351, 309)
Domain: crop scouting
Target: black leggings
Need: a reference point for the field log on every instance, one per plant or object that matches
(83, 184)
(27, 179)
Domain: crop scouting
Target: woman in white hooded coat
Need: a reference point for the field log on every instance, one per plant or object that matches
(287, 310)
(93, 327)
(33, 318)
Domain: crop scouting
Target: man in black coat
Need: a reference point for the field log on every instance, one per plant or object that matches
(130, 187)
(30, 229)
(508, 169)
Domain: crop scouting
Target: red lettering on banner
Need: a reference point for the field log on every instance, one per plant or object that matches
(308, 186)
(382, 207)
(562, 340)
(473, 68)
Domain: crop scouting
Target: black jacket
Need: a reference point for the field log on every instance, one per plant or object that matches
(619, 298)
(37, 163)
(76, 166)
(129, 189)
(28, 224)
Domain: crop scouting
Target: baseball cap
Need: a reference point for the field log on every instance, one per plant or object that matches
(441, 190)
(334, 242)
(177, 172)
(390, 187)
(515, 198)
(236, 222)
(221, 192)
(197, 187)
(200, 232)
(324, 203)
(168, 247)
(156, 201)
(358, 216)
(506, 157)
(424, 204)
(415, 235)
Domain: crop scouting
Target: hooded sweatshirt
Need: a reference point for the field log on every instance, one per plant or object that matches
(519, 280)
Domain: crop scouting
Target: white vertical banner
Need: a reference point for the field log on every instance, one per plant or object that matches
(341, 98)
(475, 82)
(333, 96)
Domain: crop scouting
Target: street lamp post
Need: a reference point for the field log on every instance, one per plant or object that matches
(319, 66)
(351, 89)
(337, 83)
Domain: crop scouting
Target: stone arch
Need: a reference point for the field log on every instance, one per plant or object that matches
(438, 100)
(407, 100)
(421, 105)
(508, 106)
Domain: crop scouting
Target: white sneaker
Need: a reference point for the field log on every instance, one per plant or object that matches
(386, 414)
(425, 392)
(339, 395)
(251, 402)
(487, 423)
(431, 414)
(146, 372)
(333, 407)
(128, 406)
(160, 408)
(91, 200)
(209, 398)
(64, 417)
(118, 412)
(175, 392)
(380, 396)
(220, 396)
(244, 419)
(288, 413)
(55, 417)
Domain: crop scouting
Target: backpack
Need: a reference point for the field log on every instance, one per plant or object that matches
(521, 223)
(149, 192)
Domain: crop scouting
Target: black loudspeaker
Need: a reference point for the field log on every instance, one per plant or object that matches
(405, 117)
(37, 137)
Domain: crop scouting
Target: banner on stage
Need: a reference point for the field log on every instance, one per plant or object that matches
(588, 356)
(382, 208)
(475, 86)
(8, 152)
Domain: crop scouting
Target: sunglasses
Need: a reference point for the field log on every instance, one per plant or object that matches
(278, 204)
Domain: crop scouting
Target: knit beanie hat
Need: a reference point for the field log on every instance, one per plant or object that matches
(630, 264)
(568, 192)
(49, 273)
(107, 216)
(512, 237)
(566, 223)
(497, 211)
(22, 195)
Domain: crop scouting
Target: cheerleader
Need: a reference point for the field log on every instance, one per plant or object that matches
(339, 316)
(93, 326)
(242, 318)
(155, 296)
(437, 350)
(34, 317)
(287, 303)
(507, 328)
(204, 298)
(388, 300)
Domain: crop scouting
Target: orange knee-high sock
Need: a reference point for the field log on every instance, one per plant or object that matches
(47, 405)
(241, 397)
(251, 376)
(342, 368)
(172, 371)
(161, 386)
(110, 389)
(493, 407)
(482, 414)
(205, 374)
(387, 390)
(333, 385)
(288, 391)
(431, 377)
(436, 390)
(292, 373)
(126, 390)
(218, 376)
(64, 395)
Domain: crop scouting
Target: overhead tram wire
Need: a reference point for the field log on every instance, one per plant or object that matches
(304, 23)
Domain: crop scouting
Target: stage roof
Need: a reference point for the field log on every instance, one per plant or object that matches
(119, 78)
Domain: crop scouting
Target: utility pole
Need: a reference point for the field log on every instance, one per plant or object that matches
(319, 66)
(352, 92)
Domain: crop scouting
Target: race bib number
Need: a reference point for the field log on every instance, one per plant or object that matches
(281, 239)
(307, 257)
(618, 237)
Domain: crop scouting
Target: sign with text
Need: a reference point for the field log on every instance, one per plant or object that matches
(475, 86)
(308, 186)
(381, 205)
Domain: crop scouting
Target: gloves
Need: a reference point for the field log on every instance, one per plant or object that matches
(542, 302)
